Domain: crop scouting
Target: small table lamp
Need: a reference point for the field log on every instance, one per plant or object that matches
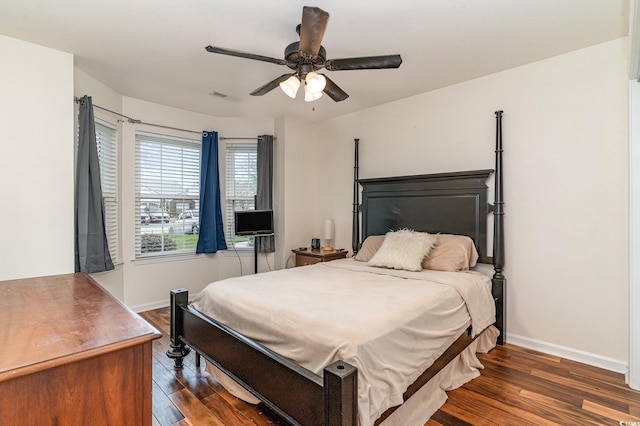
(328, 234)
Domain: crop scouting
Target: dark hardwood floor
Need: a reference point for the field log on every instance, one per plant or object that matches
(517, 387)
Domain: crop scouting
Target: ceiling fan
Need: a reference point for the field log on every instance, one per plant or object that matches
(307, 56)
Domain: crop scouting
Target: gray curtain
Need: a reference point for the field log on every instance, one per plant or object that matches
(264, 193)
(91, 247)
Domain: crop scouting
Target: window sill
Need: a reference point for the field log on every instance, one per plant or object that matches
(235, 252)
(164, 258)
(231, 252)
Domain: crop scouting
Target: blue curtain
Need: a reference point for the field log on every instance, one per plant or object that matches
(211, 238)
(91, 246)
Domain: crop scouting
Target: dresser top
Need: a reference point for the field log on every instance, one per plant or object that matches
(49, 321)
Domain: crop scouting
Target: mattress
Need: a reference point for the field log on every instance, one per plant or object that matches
(389, 324)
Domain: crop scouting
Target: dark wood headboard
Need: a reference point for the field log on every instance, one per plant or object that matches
(451, 203)
(448, 203)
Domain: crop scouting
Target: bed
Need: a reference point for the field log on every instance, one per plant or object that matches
(347, 343)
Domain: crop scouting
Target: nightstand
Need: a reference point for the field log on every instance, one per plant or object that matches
(311, 256)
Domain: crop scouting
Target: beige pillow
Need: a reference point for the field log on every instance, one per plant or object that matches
(453, 253)
(404, 249)
(370, 246)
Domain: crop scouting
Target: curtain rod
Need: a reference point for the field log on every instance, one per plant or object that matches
(243, 139)
(134, 121)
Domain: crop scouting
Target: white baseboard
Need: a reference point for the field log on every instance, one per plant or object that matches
(157, 305)
(150, 306)
(569, 353)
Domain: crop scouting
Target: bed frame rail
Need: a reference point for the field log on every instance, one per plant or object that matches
(298, 395)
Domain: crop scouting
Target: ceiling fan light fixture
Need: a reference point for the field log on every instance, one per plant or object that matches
(307, 55)
(309, 96)
(315, 82)
(290, 86)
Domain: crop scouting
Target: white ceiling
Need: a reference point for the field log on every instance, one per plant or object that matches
(154, 49)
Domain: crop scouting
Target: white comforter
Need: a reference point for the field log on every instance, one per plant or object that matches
(389, 324)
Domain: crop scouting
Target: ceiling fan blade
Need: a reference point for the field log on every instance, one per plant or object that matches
(240, 54)
(270, 85)
(314, 22)
(364, 63)
(333, 91)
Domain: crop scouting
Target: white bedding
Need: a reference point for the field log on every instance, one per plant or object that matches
(390, 324)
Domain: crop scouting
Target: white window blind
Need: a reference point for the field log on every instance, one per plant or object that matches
(241, 186)
(106, 138)
(167, 188)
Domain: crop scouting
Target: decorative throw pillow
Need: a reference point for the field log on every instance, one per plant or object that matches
(404, 249)
(370, 246)
(452, 253)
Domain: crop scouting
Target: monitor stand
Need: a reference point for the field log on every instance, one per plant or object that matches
(255, 250)
(255, 253)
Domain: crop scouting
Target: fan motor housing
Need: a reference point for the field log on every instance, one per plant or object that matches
(294, 57)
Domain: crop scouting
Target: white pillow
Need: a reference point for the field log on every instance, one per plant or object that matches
(404, 249)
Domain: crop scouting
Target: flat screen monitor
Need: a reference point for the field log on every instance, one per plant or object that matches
(254, 222)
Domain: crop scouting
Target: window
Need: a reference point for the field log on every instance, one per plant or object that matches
(106, 138)
(241, 187)
(167, 194)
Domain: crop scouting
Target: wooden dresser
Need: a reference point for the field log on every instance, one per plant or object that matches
(311, 256)
(71, 354)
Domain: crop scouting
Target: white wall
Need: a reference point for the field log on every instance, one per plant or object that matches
(566, 181)
(297, 172)
(634, 234)
(36, 160)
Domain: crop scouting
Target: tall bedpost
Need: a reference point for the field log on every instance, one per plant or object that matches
(177, 349)
(499, 281)
(355, 236)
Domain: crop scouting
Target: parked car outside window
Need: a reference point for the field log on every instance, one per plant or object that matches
(153, 215)
(188, 222)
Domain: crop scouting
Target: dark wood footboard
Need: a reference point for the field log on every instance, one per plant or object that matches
(297, 395)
